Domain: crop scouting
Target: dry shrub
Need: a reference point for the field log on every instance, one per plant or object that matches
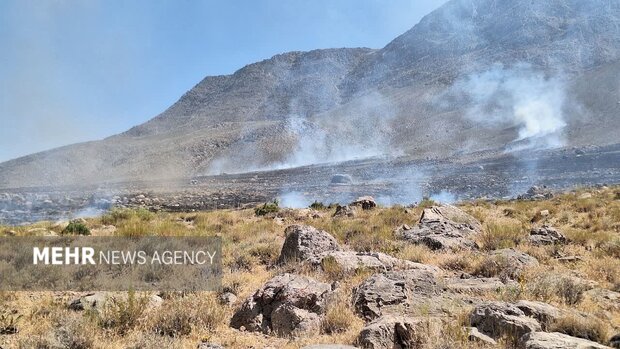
(74, 333)
(502, 233)
(589, 328)
(180, 316)
(566, 289)
(266, 253)
(606, 269)
(332, 269)
(339, 318)
(415, 253)
(122, 315)
(458, 262)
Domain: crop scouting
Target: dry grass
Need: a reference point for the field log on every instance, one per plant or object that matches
(252, 244)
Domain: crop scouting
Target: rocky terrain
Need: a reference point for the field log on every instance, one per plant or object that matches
(536, 273)
(390, 181)
(554, 63)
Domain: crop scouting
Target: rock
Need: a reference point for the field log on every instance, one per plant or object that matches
(227, 298)
(544, 213)
(476, 336)
(473, 285)
(584, 196)
(536, 193)
(305, 243)
(546, 235)
(390, 332)
(329, 346)
(10, 233)
(97, 301)
(393, 291)
(350, 261)
(511, 262)
(345, 211)
(605, 298)
(365, 202)
(341, 179)
(286, 305)
(207, 345)
(554, 340)
(288, 320)
(615, 341)
(103, 230)
(443, 228)
(543, 312)
(60, 225)
(497, 319)
(78, 221)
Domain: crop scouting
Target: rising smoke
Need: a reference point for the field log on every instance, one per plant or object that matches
(517, 97)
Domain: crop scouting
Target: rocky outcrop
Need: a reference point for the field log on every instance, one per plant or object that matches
(349, 261)
(305, 243)
(97, 301)
(390, 332)
(365, 202)
(476, 336)
(473, 285)
(497, 319)
(508, 263)
(287, 305)
(546, 235)
(345, 211)
(394, 292)
(554, 340)
(536, 193)
(443, 228)
(545, 313)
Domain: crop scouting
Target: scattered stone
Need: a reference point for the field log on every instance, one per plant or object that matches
(555, 340)
(207, 345)
(615, 341)
(443, 228)
(97, 301)
(476, 336)
(365, 202)
(286, 305)
(544, 213)
(536, 193)
(345, 211)
(227, 298)
(341, 179)
(390, 332)
(569, 259)
(306, 243)
(546, 235)
(394, 291)
(349, 261)
(497, 319)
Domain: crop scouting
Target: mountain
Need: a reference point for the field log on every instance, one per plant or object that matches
(554, 66)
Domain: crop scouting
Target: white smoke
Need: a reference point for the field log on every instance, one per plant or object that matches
(518, 97)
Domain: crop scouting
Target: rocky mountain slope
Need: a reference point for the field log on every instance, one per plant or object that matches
(473, 75)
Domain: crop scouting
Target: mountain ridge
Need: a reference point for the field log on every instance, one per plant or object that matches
(337, 104)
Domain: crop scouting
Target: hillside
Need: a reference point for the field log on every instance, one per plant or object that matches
(555, 64)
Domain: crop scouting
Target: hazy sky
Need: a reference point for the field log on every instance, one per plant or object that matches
(78, 70)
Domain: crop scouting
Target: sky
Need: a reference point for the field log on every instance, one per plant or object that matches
(80, 70)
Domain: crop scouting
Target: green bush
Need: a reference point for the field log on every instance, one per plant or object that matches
(318, 206)
(76, 228)
(269, 207)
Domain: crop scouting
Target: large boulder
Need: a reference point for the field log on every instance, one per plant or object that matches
(390, 332)
(498, 319)
(554, 340)
(349, 261)
(546, 235)
(394, 292)
(345, 211)
(287, 305)
(443, 228)
(306, 243)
